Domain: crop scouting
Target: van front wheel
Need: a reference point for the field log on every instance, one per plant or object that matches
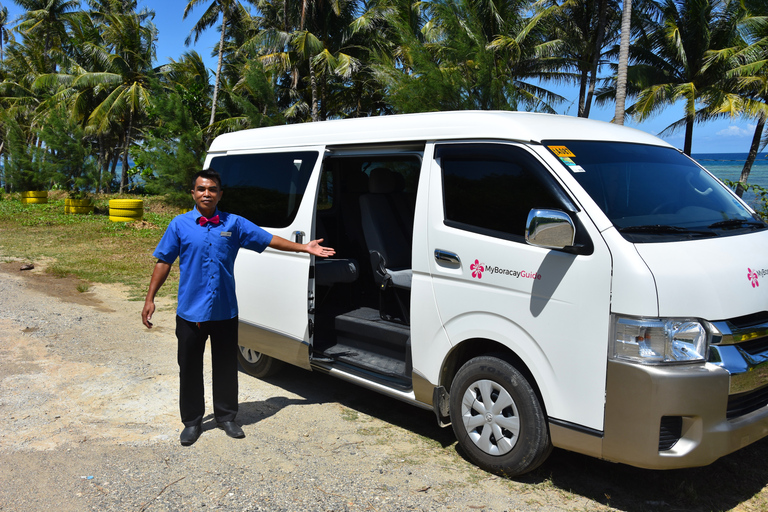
(257, 364)
(497, 417)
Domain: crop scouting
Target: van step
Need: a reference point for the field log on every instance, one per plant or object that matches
(367, 360)
(364, 329)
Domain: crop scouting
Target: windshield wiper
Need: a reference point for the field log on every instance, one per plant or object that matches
(661, 229)
(736, 223)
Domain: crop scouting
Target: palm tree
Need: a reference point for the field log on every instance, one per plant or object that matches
(314, 61)
(230, 11)
(468, 55)
(586, 28)
(47, 21)
(5, 34)
(126, 55)
(671, 63)
(744, 88)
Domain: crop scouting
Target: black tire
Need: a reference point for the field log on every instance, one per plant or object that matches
(257, 364)
(512, 437)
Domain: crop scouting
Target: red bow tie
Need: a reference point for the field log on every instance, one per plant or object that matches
(213, 220)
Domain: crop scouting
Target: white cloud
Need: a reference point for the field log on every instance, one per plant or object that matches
(735, 131)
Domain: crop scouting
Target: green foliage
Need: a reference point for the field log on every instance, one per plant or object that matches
(78, 85)
(254, 103)
(22, 171)
(760, 203)
(64, 157)
(174, 150)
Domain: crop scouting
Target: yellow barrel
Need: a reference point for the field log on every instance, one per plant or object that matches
(126, 210)
(78, 206)
(34, 197)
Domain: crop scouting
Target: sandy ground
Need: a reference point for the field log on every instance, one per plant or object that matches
(89, 421)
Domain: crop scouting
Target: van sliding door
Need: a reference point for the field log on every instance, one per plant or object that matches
(277, 191)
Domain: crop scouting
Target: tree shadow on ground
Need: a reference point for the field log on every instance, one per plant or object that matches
(722, 485)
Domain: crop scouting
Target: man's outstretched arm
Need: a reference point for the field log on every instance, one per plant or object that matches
(313, 247)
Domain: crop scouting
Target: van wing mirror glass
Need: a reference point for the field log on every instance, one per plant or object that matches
(551, 229)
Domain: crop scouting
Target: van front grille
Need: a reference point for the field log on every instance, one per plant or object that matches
(744, 403)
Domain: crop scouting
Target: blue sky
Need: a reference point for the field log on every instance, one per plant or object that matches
(724, 136)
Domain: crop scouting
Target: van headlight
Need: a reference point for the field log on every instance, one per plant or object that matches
(659, 340)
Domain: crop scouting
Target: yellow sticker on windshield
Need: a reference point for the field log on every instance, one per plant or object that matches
(562, 151)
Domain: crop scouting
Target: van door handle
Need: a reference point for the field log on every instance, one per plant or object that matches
(298, 237)
(447, 257)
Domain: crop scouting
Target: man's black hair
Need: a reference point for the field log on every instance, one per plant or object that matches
(209, 174)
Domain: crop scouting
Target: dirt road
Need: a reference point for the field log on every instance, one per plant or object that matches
(88, 421)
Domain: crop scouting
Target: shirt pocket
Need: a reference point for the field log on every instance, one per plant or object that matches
(225, 246)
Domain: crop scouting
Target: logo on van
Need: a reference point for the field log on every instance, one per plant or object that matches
(478, 268)
(753, 276)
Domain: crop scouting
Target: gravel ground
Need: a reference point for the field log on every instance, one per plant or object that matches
(89, 421)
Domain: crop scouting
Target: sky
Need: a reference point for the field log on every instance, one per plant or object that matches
(723, 136)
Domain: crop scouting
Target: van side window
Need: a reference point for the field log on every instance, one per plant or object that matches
(490, 188)
(265, 188)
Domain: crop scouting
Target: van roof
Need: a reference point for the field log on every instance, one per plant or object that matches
(518, 126)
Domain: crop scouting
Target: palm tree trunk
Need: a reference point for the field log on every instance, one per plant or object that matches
(621, 78)
(115, 159)
(100, 163)
(217, 81)
(688, 144)
(602, 14)
(124, 173)
(753, 150)
(583, 91)
(313, 83)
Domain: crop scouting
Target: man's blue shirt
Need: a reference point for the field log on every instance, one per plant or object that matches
(207, 261)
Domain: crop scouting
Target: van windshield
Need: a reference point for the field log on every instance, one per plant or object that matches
(652, 193)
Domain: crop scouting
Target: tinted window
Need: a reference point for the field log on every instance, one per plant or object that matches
(265, 188)
(653, 194)
(491, 188)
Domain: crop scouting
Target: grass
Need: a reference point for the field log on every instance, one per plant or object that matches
(90, 247)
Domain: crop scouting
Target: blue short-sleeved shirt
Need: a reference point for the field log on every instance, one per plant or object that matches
(207, 261)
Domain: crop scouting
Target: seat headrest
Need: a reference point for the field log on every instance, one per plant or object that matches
(385, 181)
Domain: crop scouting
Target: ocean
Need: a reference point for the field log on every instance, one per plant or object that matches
(728, 166)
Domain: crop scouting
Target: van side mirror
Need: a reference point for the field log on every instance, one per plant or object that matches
(551, 229)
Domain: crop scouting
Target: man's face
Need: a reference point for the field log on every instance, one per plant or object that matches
(206, 195)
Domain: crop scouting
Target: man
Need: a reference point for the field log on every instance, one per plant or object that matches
(206, 241)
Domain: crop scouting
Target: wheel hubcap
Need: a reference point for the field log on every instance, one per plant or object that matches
(490, 416)
(250, 355)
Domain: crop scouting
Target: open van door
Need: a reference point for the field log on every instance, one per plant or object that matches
(277, 191)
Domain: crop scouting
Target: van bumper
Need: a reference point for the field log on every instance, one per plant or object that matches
(666, 417)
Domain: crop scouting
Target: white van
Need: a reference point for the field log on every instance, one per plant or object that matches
(535, 280)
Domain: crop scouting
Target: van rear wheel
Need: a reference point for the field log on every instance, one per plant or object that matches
(257, 364)
(498, 418)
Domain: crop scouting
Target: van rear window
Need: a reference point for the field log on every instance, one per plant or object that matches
(265, 188)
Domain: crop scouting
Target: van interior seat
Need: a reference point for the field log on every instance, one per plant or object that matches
(388, 225)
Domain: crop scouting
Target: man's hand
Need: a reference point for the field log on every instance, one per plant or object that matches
(159, 275)
(146, 314)
(315, 248)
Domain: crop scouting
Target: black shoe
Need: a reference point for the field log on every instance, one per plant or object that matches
(190, 434)
(232, 429)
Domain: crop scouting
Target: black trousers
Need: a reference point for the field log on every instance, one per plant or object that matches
(192, 337)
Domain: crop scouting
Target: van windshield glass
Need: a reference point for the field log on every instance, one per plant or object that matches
(654, 194)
